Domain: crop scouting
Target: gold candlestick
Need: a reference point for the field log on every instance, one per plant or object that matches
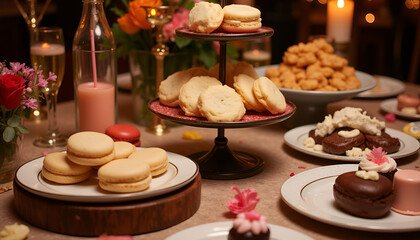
(158, 17)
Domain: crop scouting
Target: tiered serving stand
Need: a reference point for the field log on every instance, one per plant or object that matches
(221, 162)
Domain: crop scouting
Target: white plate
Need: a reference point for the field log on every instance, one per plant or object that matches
(311, 194)
(296, 136)
(124, 81)
(220, 230)
(389, 86)
(180, 172)
(390, 105)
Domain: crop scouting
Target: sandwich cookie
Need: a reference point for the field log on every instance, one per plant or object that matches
(90, 148)
(269, 95)
(58, 168)
(169, 88)
(123, 149)
(124, 175)
(124, 132)
(241, 18)
(156, 158)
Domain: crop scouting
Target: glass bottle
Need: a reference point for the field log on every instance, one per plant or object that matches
(94, 70)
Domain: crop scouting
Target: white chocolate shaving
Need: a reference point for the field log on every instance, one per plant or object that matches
(349, 134)
(368, 175)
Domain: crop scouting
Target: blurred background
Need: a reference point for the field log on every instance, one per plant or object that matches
(385, 33)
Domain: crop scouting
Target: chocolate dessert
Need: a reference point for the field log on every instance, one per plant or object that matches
(336, 144)
(317, 139)
(363, 197)
(388, 143)
(234, 235)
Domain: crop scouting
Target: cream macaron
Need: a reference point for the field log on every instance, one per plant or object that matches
(90, 148)
(58, 168)
(156, 158)
(241, 18)
(124, 175)
(123, 149)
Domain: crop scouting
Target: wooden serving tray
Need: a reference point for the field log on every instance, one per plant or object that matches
(122, 218)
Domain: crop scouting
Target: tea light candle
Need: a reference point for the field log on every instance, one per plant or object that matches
(47, 49)
(257, 57)
(96, 106)
(339, 20)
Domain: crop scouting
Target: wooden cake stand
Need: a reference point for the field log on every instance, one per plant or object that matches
(119, 218)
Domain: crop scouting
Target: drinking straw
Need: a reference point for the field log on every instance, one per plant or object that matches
(92, 44)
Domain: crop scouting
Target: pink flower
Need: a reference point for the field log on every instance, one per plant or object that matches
(244, 201)
(180, 19)
(252, 215)
(377, 156)
(30, 103)
(390, 117)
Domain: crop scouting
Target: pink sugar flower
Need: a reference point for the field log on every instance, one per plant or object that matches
(244, 201)
(377, 156)
(252, 215)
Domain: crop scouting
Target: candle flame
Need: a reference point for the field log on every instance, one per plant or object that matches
(340, 3)
(45, 45)
(255, 52)
(153, 12)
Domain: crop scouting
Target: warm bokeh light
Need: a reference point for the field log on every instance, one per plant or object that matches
(340, 3)
(412, 4)
(370, 18)
(323, 1)
(45, 45)
(153, 12)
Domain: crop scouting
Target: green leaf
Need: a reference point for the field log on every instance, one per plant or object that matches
(14, 121)
(182, 42)
(117, 11)
(8, 134)
(22, 129)
(232, 51)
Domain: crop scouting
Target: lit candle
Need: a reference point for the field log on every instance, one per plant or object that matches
(257, 57)
(339, 20)
(47, 49)
(96, 106)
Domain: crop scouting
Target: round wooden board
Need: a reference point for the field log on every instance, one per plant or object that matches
(122, 218)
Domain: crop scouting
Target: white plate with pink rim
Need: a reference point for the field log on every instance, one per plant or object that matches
(220, 231)
(295, 137)
(181, 171)
(390, 105)
(311, 194)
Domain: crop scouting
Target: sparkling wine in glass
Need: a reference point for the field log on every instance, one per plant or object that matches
(48, 54)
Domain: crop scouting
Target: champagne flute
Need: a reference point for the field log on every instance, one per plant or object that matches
(48, 54)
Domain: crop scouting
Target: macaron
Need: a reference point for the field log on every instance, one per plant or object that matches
(124, 132)
(90, 148)
(123, 149)
(124, 176)
(156, 158)
(58, 168)
(363, 197)
(241, 18)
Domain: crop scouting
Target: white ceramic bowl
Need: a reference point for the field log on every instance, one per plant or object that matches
(311, 106)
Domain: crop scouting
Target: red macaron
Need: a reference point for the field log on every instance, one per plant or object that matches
(124, 132)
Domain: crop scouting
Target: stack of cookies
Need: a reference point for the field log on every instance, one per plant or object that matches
(199, 93)
(120, 167)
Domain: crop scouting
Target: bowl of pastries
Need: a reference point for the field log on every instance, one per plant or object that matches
(312, 76)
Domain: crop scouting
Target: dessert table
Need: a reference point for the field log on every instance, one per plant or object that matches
(281, 163)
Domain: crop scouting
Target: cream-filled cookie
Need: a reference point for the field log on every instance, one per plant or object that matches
(189, 93)
(58, 168)
(90, 148)
(269, 95)
(124, 175)
(205, 17)
(123, 149)
(241, 18)
(221, 104)
(156, 158)
(243, 84)
(169, 88)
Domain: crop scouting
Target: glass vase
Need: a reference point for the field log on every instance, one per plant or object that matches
(142, 65)
(10, 155)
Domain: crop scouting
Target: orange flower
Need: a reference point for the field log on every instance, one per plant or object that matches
(138, 13)
(127, 24)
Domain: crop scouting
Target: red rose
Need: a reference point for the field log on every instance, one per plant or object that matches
(11, 89)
